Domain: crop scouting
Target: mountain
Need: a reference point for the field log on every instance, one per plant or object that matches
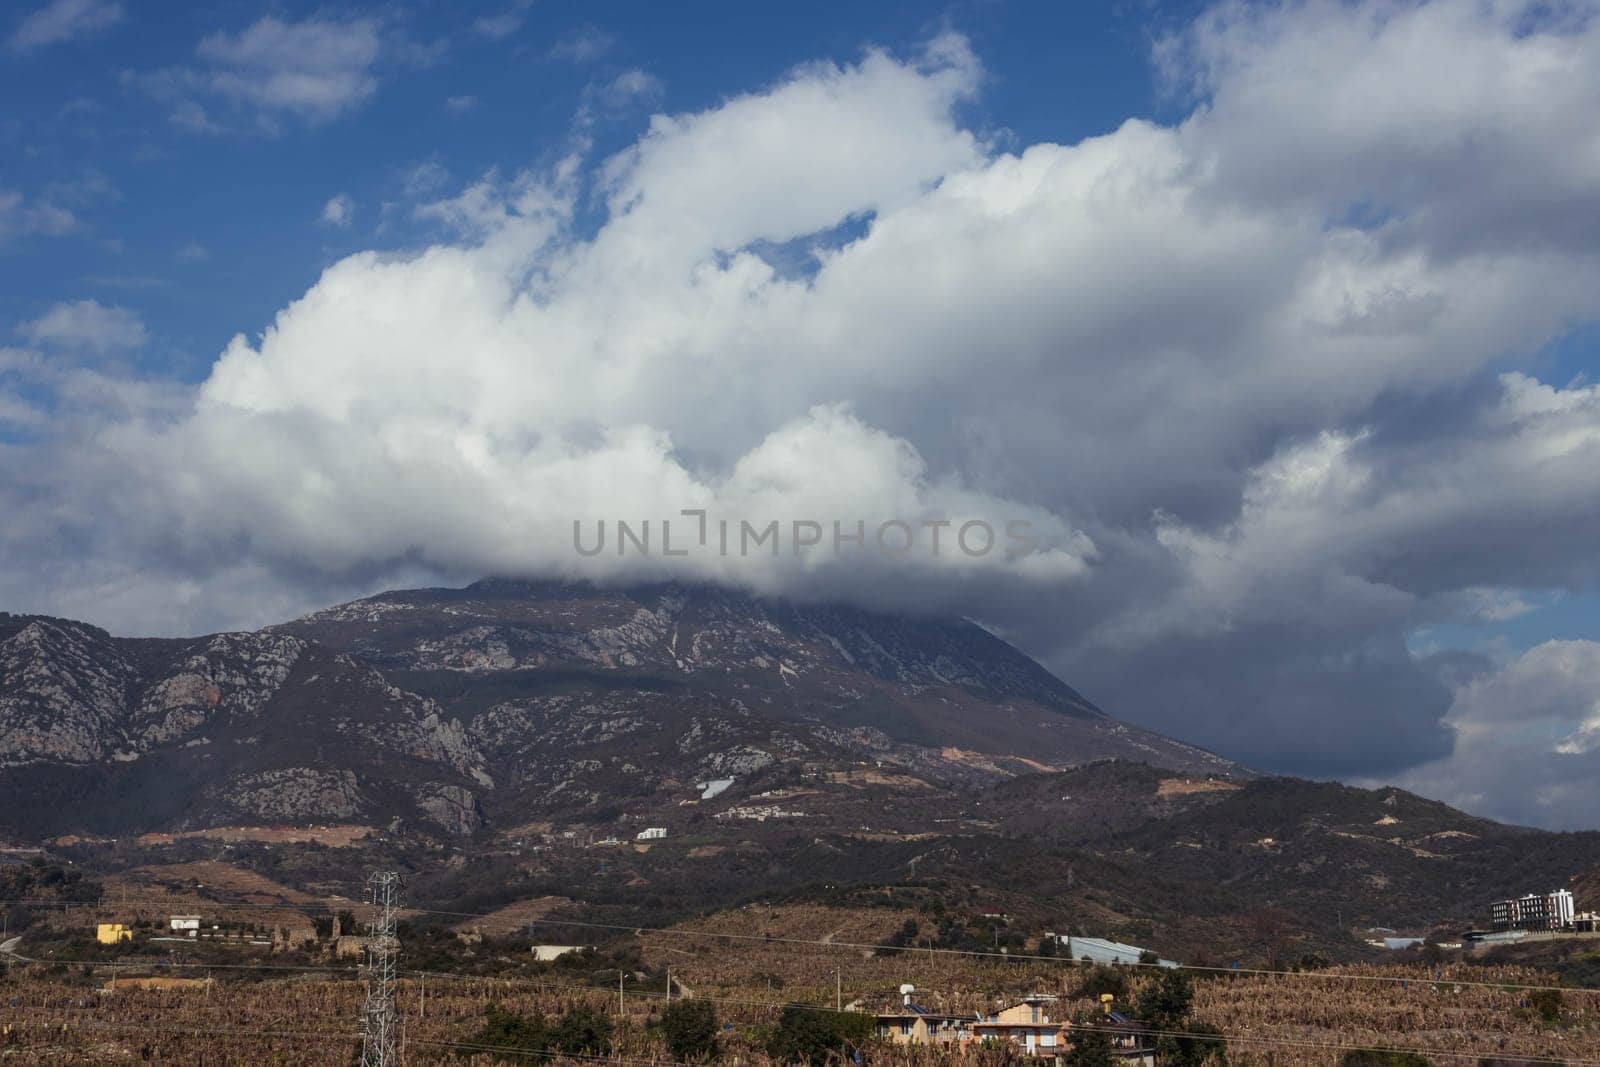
(506, 742)
(455, 712)
(1326, 854)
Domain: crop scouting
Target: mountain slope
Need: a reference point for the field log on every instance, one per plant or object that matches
(456, 710)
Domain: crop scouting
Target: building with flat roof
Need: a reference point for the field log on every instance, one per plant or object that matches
(913, 1024)
(1548, 911)
(1026, 1025)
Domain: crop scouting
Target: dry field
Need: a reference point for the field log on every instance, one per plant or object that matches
(312, 1020)
(342, 836)
(1469, 1012)
(514, 917)
(1177, 787)
(208, 878)
(762, 958)
(1282, 1019)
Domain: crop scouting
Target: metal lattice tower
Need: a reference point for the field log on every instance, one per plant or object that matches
(379, 1021)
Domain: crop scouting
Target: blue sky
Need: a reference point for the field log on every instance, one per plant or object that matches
(210, 233)
(1277, 322)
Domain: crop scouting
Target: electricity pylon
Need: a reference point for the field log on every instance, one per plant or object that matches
(379, 1022)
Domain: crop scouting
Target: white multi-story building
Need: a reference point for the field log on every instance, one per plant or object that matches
(1548, 911)
(651, 833)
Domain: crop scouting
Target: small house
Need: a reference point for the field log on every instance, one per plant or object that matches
(913, 1024)
(1026, 1025)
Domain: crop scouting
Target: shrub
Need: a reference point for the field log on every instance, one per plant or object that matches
(513, 1033)
(582, 1032)
(1091, 1047)
(1166, 1002)
(806, 1035)
(1197, 1044)
(690, 1027)
(1547, 1002)
(1100, 979)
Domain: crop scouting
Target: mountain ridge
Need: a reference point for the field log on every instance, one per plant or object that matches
(452, 711)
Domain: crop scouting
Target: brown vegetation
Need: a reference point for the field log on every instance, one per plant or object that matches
(1282, 1020)
(513, 918)
(1180, 787)
(332, 836)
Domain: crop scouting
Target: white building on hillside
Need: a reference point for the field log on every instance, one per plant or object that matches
(546, 953)
(651, 833)
(1549, 911)
(1099, 950)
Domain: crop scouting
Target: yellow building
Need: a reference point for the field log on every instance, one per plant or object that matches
(1027, 1025)
(111, 933)
(915, 1025)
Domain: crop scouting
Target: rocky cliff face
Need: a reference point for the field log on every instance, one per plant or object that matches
(63, 692)
(451, 710)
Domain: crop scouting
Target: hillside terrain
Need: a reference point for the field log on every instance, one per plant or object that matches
(506, 744)
(454, 712)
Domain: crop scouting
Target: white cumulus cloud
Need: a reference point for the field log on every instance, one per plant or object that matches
(1257, 380)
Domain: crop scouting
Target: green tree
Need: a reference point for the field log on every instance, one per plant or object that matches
(582, 1032)
(1165, 1005)
(1166, 1002)
(1091, 1045)
(512, 1033)
(1197, 1044)
(806, 1035)
(690, 1027)
(1100, 979)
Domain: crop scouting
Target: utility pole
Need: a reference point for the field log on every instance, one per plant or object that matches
(620, 975)
(669, 985)
(378, 1020)
(838, 989)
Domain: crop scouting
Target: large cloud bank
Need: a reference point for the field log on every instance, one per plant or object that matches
(1257, 381)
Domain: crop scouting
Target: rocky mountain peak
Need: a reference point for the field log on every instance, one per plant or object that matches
(453, 710)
